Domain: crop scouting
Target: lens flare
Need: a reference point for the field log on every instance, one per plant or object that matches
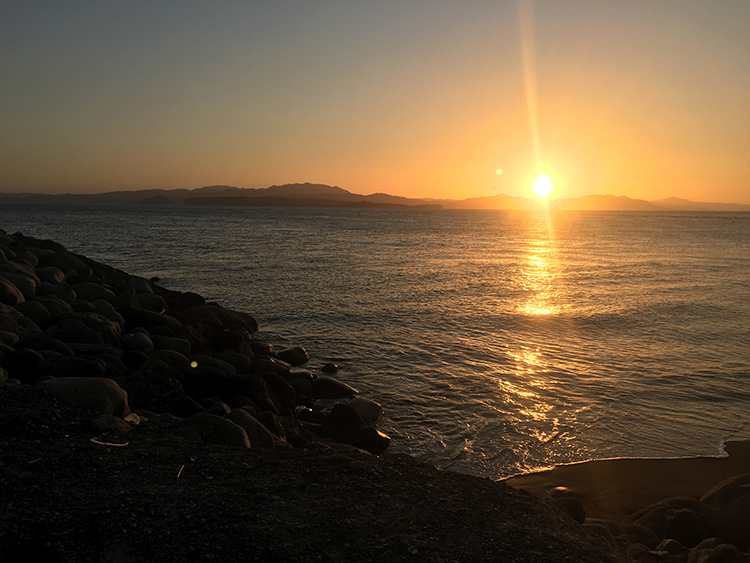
(542, 186)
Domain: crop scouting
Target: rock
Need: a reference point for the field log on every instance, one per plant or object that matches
(171, 358)
(154, 386)
(654, 516)
(218, 430)
(40, 342)
(138, 341)
(233, 319)
(73, 366)
(74, 330)
(261, 348)
(91, 291)
(328, 387)
(365, 438)
(10, 339)
(50, 274)
(295, 356)
(13, 321)
(641, 534)
(272, 365)
(101, 395)
(599, 530)
(730, 504)
(285, 392)
(9, 293)
(237, 340)
(111, 423)
(173, 343)
(241, 362)
(25, 284)
(572, 506)
(259, 435)
(343, 417)
(329, 368)
(56, 307)
(723, 553)
(215, 363)
(672, 547)
(36, 312)
(151, 302)
(23, 364)
(370, 411)
(685, 526)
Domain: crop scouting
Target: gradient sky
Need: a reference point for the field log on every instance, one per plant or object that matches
(647, 99)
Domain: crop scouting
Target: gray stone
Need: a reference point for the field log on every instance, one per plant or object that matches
(295, 356)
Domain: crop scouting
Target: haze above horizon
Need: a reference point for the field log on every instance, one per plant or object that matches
(417, 99)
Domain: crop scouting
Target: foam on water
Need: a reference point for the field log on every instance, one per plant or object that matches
(497, 341)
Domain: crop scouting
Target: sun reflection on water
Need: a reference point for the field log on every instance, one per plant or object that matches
(539, 272)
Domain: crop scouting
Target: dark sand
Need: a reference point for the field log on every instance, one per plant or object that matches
(614, 489)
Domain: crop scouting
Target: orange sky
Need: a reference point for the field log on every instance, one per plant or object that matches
(415, 98)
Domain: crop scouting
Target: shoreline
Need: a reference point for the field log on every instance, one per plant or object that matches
(109, 382)
(614, 489)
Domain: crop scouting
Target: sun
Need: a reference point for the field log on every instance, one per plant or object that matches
(542, 186)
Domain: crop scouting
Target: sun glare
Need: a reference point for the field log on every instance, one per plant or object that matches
(542, 186)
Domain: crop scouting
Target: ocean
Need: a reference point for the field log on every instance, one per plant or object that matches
(497, 342)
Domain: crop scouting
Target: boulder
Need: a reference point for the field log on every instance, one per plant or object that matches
(259, 435)
(654, 517)
(155, 386)
(91, 291)
(723, 553)
(364, 438)
(151, 302)
(26, 285)
(730, 505)
(295, 356)
(98, 394)
(13, 321)
(685, 526)
(9, 293)
(171, 358)
(173, 343)
(73, 366)
(35, 311)
(330, 388)
(50, 274)
(369, 410)
(217, 430)
(241, 362)
(23, 364)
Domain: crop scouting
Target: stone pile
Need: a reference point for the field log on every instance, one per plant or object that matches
(712, 529)
(136, 352)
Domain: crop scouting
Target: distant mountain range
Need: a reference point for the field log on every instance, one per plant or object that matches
(321, 195)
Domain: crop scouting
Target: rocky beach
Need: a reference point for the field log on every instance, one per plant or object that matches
(139, 423)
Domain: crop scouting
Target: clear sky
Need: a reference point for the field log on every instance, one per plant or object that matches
(429, 98)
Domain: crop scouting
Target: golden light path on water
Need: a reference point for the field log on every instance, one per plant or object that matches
(524, 390)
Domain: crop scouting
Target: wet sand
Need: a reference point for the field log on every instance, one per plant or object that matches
(614, 489)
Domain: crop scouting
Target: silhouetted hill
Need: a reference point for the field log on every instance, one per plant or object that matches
(322, 195)
(679, 204)
(603, 203)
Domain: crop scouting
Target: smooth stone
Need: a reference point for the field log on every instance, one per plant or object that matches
(210, 361)
(91, 291)
(295, 356)
(241, 362)
(50, 274)
(686, 526)
(111, 423)
(61, 291)
(8, 338)
(328, 387)
(74, 330)
(171, 358)
(173, 343)
(285, 392)
(140, 285)
(365, 438)
(219, 409)
(654, 517)
(329, 368)
(343, 417)
(273, 365)
(237, 340)
(216, 429)
(302, 387)
(261, 348)
(151, 302)
(573, 507)
(730, 503)
(23, 364)
(723, 553)
(35, 311)
(641, 534)
(369, 410)
(9, 293)
(13, 321)
(26, 285)
(234, 319)
(259, 435)
(138, 341)
(41, 342)
(56, 307)
(672, 547)
(98, 394)
(73, 366)
(599, 530)
(154, 386)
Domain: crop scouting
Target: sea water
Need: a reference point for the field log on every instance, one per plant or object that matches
(498, 342)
